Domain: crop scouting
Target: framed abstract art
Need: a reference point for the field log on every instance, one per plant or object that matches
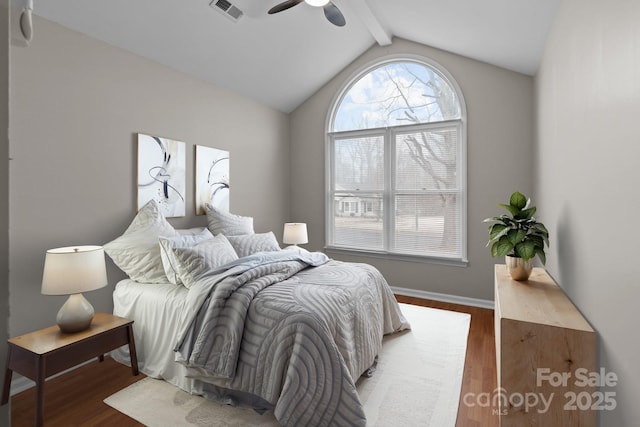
(212, 178)
(161, 173)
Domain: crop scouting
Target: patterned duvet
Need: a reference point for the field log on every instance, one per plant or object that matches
(289, 332)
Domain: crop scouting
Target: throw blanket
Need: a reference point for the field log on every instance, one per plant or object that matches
(292, 328)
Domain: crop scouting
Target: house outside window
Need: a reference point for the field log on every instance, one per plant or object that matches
(396, 163)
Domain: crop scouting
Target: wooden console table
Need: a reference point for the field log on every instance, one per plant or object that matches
(40, 354)
(541, 341)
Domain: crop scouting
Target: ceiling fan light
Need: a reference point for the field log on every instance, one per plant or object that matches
(317, 3)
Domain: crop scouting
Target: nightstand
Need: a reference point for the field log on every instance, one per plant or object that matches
(40, 354)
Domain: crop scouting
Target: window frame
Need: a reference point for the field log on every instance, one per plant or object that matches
(389, 192)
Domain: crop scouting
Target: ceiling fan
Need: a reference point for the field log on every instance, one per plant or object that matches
(331, 11)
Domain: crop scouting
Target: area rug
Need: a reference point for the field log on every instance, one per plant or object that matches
(417, 382)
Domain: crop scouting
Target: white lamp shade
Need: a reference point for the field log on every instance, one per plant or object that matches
(73, 270)
(317, 3)
(295, 233)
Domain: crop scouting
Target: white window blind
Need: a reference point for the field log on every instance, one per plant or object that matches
(358, 191)
(426, 188)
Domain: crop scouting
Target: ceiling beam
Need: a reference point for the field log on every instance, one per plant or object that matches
(374, 24)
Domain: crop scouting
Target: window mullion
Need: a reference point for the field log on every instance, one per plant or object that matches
(331, 191)
(389, 188)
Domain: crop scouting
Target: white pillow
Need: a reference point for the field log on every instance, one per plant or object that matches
(190, 231)
(136, 251)
(251, 243)
(194, 261)
(221, 222)
(167, 244)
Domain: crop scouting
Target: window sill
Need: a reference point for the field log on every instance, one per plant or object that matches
(398, 257)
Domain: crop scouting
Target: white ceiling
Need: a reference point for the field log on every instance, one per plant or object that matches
(282, 59)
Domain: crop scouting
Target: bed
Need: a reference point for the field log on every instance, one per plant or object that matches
(284, 330)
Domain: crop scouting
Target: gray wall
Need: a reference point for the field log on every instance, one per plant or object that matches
(499, 148)
(587, 175)
(4, 189)
(76, 107)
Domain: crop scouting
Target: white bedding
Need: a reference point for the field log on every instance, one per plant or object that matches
(153, 304)
(325, 326)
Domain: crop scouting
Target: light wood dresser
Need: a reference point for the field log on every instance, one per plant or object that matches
(545, 352)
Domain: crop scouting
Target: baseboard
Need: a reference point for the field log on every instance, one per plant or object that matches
(20, 383)
(454, 299)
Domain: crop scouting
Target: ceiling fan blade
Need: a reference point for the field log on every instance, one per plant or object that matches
(334, 15)
(284, 6)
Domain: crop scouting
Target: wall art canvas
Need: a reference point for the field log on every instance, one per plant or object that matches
(161, 173)
(212, 178)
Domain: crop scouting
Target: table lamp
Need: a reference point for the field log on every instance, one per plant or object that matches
(71, 271)
(295, 233)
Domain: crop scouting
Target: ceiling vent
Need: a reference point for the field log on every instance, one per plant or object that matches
(227, 9)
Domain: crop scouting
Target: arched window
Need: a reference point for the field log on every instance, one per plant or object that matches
(396, 163)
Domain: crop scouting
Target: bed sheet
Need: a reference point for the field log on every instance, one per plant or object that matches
(155, 309)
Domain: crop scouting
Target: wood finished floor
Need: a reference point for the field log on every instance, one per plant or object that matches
(76, 398)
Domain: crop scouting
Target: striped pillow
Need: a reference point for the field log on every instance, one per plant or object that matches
(136, 251)
(251, 243)
(167, 244)
(195, 261)
(221, 222)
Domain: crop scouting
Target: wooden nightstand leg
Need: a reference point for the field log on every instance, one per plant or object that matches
(7, 386)
(40, 377)
(8, 374)
(132, 351)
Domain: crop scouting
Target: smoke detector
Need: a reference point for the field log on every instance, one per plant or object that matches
(227, 9)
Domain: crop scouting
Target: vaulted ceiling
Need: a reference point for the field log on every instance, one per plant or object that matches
(282, 59)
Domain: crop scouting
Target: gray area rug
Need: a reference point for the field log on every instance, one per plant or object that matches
(417, 382)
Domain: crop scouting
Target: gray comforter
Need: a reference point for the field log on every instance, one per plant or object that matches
(290, 331)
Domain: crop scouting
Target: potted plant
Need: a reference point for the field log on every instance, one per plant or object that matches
(518, 236)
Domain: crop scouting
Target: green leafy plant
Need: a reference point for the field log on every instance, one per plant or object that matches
(518, 234)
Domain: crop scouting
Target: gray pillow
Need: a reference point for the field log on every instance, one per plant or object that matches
(221, 222)
(194, 261)
(251, 243)
(184, 240)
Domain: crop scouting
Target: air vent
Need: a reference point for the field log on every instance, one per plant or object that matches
(227, 9)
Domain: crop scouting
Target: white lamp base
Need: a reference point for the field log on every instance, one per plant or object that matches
(75, 315)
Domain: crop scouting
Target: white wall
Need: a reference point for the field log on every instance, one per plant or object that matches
(588, 95)
(500, 140)
(76, 106)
